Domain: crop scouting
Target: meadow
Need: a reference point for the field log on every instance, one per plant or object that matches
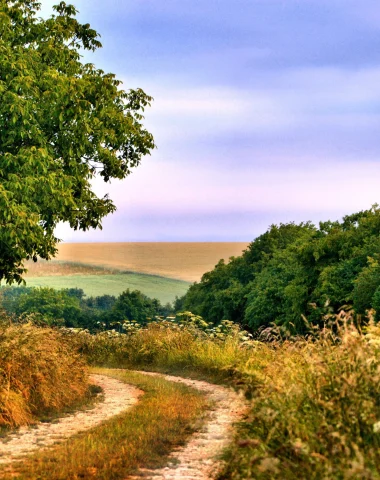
(164, 289)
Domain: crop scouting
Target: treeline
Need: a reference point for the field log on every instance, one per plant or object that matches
(295, 274)
(70, 308)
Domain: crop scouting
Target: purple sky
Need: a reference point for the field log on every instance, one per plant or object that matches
(265, 111)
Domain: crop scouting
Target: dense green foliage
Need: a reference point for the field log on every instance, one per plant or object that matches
(62, 122)
(296, 271)
(70, 308)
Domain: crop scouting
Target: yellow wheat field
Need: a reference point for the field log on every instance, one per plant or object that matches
(184, 261)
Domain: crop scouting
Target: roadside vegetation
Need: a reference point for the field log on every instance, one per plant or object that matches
(40, 374)
(314, 401)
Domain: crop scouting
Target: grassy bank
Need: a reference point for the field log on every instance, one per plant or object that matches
(142, 437)
(164, 289)
(40, 374)
(315, 408)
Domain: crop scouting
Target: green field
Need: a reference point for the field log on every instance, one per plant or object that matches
(165, 289)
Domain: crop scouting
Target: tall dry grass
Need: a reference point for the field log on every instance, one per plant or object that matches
(40, 372)
(315, 410)
(162, 345)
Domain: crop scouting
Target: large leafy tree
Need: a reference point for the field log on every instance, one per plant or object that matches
(62, 122)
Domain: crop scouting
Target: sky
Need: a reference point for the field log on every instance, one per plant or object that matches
(265, 111)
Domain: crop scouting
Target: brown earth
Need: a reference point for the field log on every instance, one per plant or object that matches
(182, 260)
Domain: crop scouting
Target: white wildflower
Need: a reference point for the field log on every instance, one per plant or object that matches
(376, 427)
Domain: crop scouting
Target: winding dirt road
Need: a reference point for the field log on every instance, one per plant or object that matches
(198, 459)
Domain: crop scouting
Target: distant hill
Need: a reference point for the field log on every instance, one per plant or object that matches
(180, 260)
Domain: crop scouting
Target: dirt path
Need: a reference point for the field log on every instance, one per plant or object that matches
(200, 458)
(118, 396)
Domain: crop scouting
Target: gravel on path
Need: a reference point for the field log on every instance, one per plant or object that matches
(118, 397)
(200, 458)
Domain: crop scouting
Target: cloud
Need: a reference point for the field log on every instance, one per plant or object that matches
(169, 188)
(265, 110)
(330, 111)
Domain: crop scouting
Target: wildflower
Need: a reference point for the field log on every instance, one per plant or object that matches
(376, 427)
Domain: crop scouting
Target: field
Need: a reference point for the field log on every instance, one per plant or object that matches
(179, 260)
(165, 289)
(159, 270)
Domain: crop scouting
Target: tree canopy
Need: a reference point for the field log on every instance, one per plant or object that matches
(71, 308)
(62, 122)
(293, 271)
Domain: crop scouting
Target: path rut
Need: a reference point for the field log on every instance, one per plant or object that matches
(200, 457)
(118, 397)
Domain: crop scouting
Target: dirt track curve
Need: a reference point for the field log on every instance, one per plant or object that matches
(198, 459)
(118, 397)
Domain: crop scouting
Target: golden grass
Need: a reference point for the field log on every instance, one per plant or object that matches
(181, 260)
(141, 437)
(40, 373)
(54, 268)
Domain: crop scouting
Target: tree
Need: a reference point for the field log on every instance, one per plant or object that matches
(54, 306)
(296, 271)
(62, 122)
(134, 305)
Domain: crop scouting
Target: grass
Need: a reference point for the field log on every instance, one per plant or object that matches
(314, 403)
(165, 289)
(141, 437)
